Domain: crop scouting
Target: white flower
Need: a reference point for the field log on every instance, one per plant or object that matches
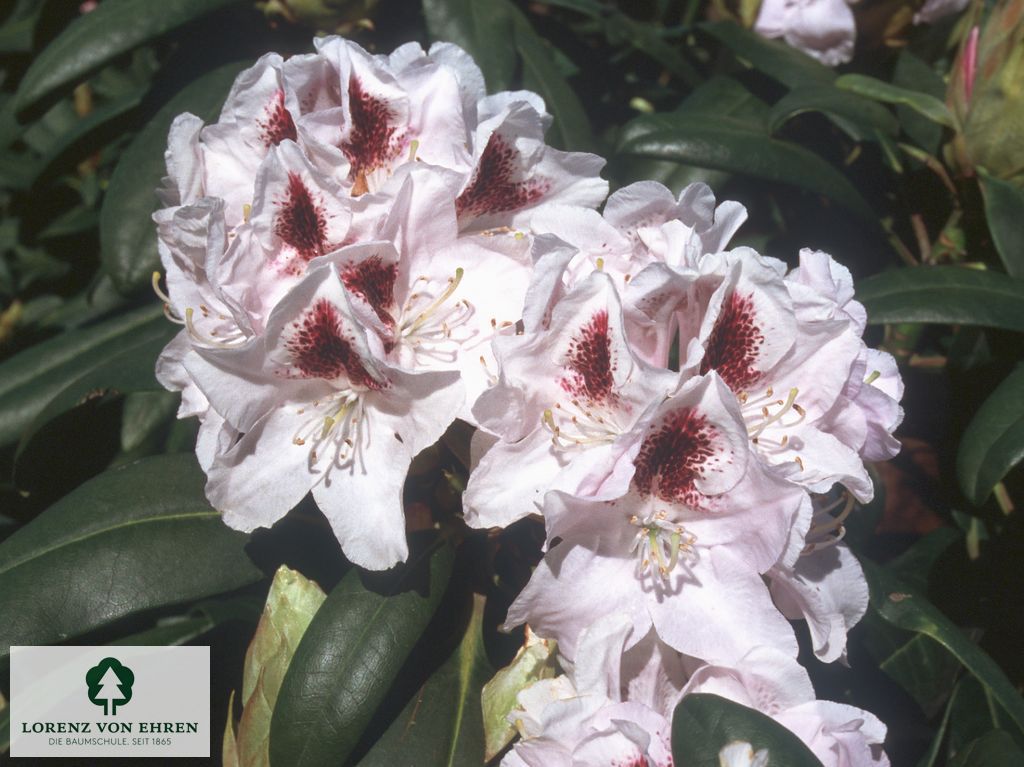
(741, 754)
(824, 29)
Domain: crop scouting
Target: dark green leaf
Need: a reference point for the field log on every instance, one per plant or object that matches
(483, 28)
(349, 656)
(133, 539)
(60, 150)
(30, 379)
(571, 129)
(1004, 210)
(94, 39)
(950, 295)
(993, 748)
(703, 724)
(19, 27)
(917, 75)
(127, 232)
(904, 608)
(864, 115)
(726, 97)
(973, 713)
(773, 57)
(204, 617)
(127, 371)
(879, 90)
(737, 148)
(994, 441)
(442, 725)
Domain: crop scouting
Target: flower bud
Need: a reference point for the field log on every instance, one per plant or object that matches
(340, 16)
(986, 94)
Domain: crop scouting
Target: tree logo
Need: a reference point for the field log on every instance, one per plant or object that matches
(110, 684)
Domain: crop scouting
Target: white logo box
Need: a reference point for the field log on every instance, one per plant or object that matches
(159, 707)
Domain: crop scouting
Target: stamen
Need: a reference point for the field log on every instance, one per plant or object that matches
(662, 542)
(875, 375)
(453, 284)
(414, 146)
(769, 419)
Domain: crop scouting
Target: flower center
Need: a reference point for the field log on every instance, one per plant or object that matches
(428, 320)
(827, 527)
(334, 423)
(577, 426)
(659, 543)
(768, 417)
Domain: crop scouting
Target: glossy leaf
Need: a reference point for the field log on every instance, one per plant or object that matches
(31, 379)
(915, 74)
(844, 108)
(973, 713)
(993, 748)
(540, 73)
(129, 370)
(127, 233)
(349, 656)
(879, 90)
(703, 724)
(739, 149)
(96, 38)
(772, 57)
(132, 539)
(483, 28)
(1004, 212)
(442, 725)
(994, 441)
(904, 608)
(944, 294)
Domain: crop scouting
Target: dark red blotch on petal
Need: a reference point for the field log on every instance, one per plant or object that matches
(320, 347)
(591, 362)
(373, 280)
(277, 124)
(372, 140)
(301, 221)
(492, 189)
(673, 456)
(734, 343)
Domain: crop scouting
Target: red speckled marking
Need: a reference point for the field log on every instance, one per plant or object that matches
(301, 221)
(372, 140)
(734, 343)
(374, 282)
(673, 455)
(277, 124)
(320, 349)
(591, 363)
(492, 189)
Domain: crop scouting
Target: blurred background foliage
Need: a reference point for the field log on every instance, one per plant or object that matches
(903, 164)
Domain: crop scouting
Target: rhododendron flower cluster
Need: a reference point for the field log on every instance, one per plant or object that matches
(364, 249)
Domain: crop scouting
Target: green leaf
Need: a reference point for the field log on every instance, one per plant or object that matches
(535, 660)
(993, 748)
(129, 370)
(135, 538)
(483, 28)
(5, 725)
(949, 295)
(772, 57)
(879, 90)
(973, 713)
(994, 440)
(94, 39)
(291, 604)
(915, 74)
(127, 232)
(30, 379)
(442, 725)
(350, 655)
(846, 109)
(734, 147)
(20, 26)
(703, 724)
(904, 608)
(204, 617)
(540, 73)
(59, 152)
(1004, 211)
